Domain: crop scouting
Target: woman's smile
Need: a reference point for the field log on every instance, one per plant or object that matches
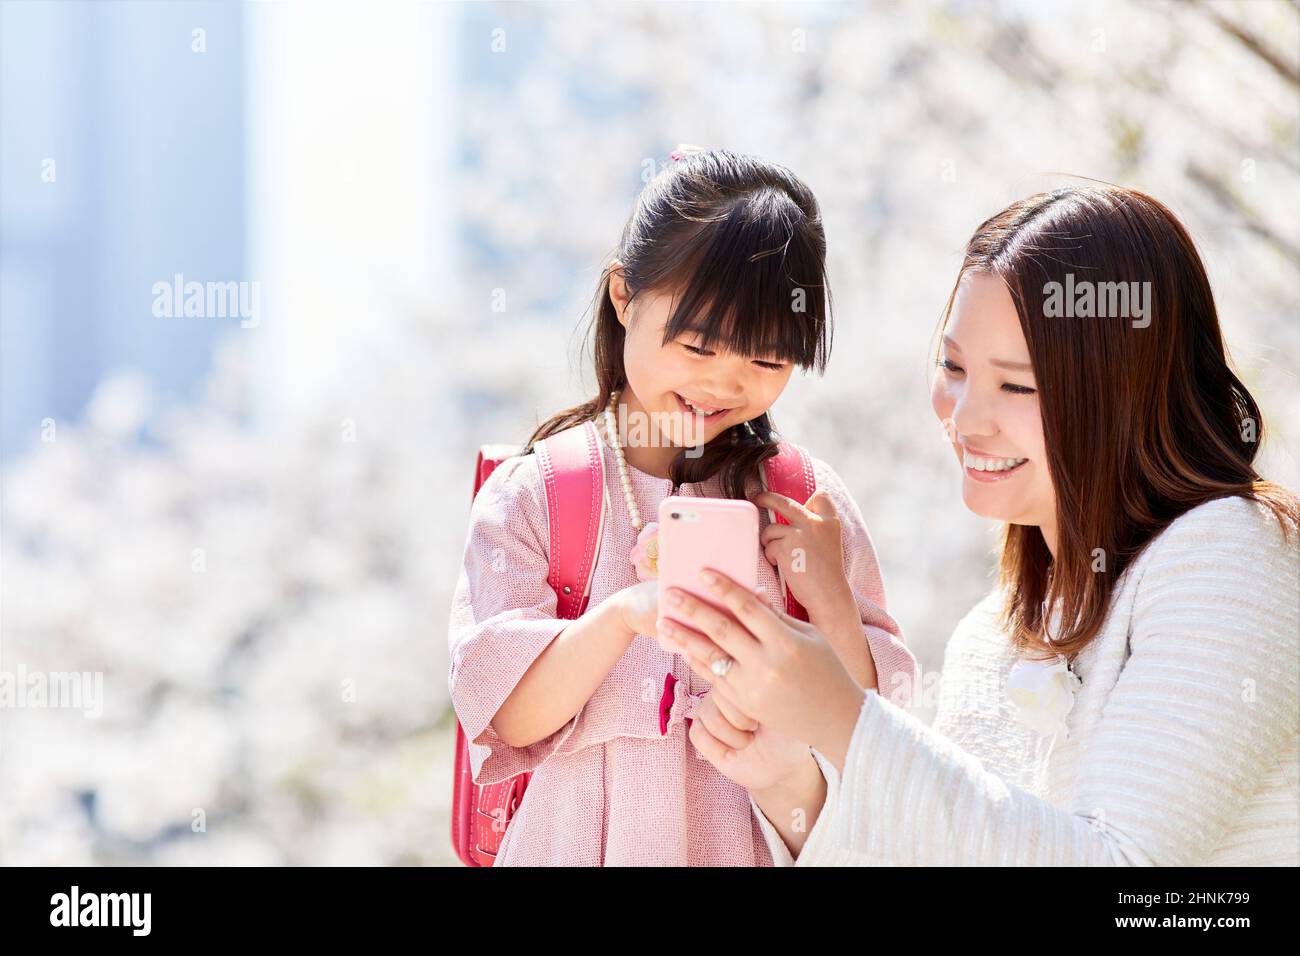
(990, 468)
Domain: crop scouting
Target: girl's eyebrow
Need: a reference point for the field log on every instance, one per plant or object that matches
(1000, 363)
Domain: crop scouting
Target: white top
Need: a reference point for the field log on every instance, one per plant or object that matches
(1181, 747)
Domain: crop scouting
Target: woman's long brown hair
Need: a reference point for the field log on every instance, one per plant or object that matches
(1143, 419)
(740, 244)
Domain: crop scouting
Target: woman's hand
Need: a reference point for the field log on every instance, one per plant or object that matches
(808, 551)
(783, 674)
(754, 756)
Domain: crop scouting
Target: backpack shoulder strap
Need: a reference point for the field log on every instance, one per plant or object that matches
(790, 472)
(573, 471)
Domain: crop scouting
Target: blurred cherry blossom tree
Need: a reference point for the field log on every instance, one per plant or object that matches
(269, 609)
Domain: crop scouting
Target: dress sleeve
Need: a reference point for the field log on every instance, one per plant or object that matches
(816, 850)
(1204, 706)
(896, 669)
(503, 616)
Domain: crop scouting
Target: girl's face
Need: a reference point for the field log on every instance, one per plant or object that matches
(985, 394)
(672, 381)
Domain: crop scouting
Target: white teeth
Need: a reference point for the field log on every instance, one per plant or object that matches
(990, 464)
(708, 412)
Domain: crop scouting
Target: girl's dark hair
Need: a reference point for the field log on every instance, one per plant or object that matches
(1143, 419)
(739, 243)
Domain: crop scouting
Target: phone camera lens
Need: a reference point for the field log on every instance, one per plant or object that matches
(676, 514)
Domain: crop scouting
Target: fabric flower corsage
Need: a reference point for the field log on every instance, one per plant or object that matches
(645, 553)
(1043, 694)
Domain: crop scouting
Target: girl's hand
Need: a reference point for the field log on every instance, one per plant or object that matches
(808, 551)
(638, 607)
(754, 756)
(784, 674)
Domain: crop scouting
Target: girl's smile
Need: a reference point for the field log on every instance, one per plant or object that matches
(689, 394)
(700, 408)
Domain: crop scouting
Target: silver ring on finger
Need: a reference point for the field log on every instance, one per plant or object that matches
(721, 665)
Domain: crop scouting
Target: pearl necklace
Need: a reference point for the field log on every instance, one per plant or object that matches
(611, 435)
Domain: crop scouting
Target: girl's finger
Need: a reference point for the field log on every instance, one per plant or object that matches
(717, 625)
(787, 508)
(775, 532)
(757, 621)
(822, 504)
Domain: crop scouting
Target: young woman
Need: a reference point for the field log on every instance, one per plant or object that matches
(1129, 694)
(717, 292)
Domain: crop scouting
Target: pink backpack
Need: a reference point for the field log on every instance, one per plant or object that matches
(573, 467)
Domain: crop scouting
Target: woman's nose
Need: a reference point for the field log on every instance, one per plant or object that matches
(970, 415)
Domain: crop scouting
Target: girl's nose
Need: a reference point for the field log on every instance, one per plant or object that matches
(720, 396)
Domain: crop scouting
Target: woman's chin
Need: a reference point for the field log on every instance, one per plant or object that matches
(990, 502)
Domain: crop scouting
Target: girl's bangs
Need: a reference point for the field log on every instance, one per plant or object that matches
(773, 284)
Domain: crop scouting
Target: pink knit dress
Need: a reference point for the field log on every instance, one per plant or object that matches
(620, 784)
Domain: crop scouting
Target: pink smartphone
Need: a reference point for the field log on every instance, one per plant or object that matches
(698, 533)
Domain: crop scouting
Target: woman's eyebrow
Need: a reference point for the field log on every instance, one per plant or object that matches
(1000, 363)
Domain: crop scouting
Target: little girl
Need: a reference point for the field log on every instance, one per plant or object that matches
(717, 291)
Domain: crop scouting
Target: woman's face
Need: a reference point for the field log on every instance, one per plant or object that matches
(664, 378)
(985, 394)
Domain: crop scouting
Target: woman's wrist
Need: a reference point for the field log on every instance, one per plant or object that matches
(794, 804)
(793, 787)
(838, 717)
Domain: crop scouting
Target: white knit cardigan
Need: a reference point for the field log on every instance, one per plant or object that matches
(1181, 747)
